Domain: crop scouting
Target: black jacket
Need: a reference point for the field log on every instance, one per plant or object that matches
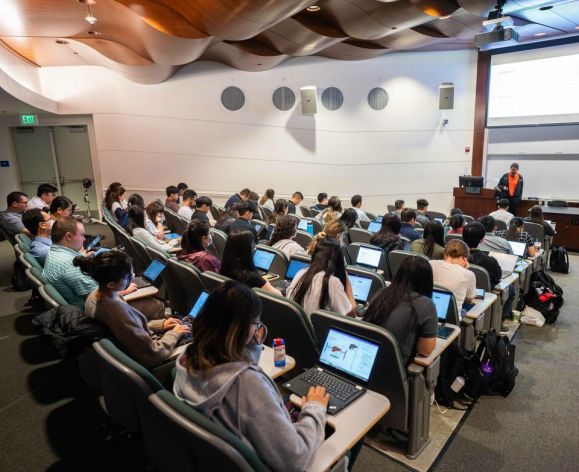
(489, 263)
(504, 182)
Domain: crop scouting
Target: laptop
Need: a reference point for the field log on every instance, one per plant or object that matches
(151, 274)
(374, 227)
(361, 286)
(262, 260)
(369, 257)
(258, 226)
(440, 220)
(344, 368)
(507, 262)
(295, 265)
(442, 302)
(270, 229)
(518, 248)
(378, 219)
(198, 305)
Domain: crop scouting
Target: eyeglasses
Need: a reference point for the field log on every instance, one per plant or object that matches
(258, 324)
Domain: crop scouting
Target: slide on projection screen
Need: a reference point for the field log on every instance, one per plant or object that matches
(535, 87)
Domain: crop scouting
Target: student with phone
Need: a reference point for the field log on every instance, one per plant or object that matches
(219, 376)
(405, 308)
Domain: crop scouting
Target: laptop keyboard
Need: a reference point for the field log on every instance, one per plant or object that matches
(141, 283)
(334, 386)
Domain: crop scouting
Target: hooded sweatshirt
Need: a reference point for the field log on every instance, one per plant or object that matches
(245, 400)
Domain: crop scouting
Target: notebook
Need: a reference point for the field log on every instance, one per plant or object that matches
(369, 257)
(151, 274)
(518, 248)
(506, 261)
(295, 265)
(374, 227)
(263, 260)
(344, 368)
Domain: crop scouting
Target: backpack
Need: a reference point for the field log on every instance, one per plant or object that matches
(545, 296)
(20, 281)
(559, 260)
(497, 357)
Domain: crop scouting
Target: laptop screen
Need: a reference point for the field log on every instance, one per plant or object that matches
(307, 226)
(347, 353)
(518, 248)
(294, 267)
(93, 243)
(263, 259)
(378, 219)
(199, 304)
(258, 227)
(441, 302)
(360, 287)
(270, 229)
(154, 270)
(374, 227)
(440, 220)
(506, 261)
(369, 257)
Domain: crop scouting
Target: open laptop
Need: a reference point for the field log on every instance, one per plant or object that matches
(269, 233)
(374, 227)
(442, 301)
(197, 306)
(344, 368)
(440, 220)
(307, 226)
(258, 226)
(507, 262)
(294, 266)
(369, 257)
(518, 248)
(151, 274)
(361, 286)
(263, 260)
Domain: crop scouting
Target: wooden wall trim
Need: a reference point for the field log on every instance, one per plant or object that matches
(480, 111)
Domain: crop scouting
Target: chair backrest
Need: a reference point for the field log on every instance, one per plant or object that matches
(383, 265)
(557, 203)
(314, 212)
(483, 279)
(126, 241)
(23, 240)
(500, 225)
(188, 280)
(371, 216)
(31, 260)
(266, 212)
(364, 224)
(378, 281)
(176, 223)
(305, 211)
(118, 231)
(35, 275)
(468, 219)
(316, 224)
(173, 429)
(175, 292)
(536, 230)
(390, 208)
(449, 237)
(141, 252)
(280, 260)
(388, 376)
(126, 385)
(359, 235)
(219, 240)
(286, 319)
(396, 257)
(303, 238)
(212, 280)
(215, 213)
(435, 214)
(51, 296)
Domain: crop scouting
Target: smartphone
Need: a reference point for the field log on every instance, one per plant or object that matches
(102, 249)
(444, 332)
(480, 293)
(93, 243)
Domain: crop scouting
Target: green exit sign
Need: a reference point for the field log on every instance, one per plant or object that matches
(28, 120)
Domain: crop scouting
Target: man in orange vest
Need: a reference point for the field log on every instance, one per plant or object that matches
(511, 187)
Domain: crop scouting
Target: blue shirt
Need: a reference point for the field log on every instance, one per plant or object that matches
(408, 231)
(67, 279)
(39, 248)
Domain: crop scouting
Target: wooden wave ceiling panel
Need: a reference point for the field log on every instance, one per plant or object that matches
(148, 40)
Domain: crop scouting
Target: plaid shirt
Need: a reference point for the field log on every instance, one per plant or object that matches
(524, 237)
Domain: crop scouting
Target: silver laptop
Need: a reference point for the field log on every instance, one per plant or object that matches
(507, 262)
(518, 248)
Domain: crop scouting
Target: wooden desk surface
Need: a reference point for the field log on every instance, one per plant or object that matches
(149, 291)
(350, 426)
(504, 283)
(441, 345)
(481, 305)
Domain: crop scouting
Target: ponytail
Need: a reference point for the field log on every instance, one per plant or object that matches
(110, 266)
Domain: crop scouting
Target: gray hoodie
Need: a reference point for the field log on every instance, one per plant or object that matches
(245, 400)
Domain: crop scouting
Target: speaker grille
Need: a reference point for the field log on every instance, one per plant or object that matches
(283, 98)
(332, 98)
(232, 98)
(378, 98)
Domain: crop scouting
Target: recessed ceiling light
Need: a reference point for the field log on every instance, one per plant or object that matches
(540, 34)
(313, 8)
(88, 2)
(577, 27)
(61, 41)
(95, 32)
(548, 7)
(91, 19)
(444, 17)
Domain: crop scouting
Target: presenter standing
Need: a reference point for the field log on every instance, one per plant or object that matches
(511, 187)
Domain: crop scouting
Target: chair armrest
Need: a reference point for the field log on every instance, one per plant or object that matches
(414, 370)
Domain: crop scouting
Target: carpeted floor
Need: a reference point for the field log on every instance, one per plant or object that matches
(49, 421)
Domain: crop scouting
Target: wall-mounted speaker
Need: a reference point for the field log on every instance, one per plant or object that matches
(309, 99)
(446, 99)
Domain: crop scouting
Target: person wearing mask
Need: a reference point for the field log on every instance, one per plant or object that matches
(456, 223)
(11, 219)
(408, 219)
(398, 208)
(283, 234)
(267, 199)
(356, 202)
(44, 196)
(280, 209)
(237, 198)
(294, 203)
(422, 208)
(405, 308)
(187, 204)
(172, 193)
(388, 238)
(510, 186)
(431, 244)
(219, 376)
(38, 223)
(202, 208)
(536, 216)
(452, 273)
(491, 241)
(245, 211)
(194, 245)
(237, 262)
(116, 203)
(501, 213)
(322, 202)
(138, 231)
(148, 342)
(516, 233)
(325, 284)
(335, 230)
(333, 212)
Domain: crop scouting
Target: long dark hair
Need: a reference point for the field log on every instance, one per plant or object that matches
(389, 231)
(269, 194)
(349, 217)
(237, 262)
(413, 275)
(512, 234)
(536, 214)
(114, 196)
(327, 258)
(192, 237)
(433, 234)
(456, 221)
(278, 210)
(220, 330)
(136, 218)
(285, 228)
(110, 266)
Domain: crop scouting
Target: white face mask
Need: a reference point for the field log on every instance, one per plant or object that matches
(209, 240)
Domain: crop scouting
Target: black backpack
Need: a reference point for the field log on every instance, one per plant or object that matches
(20, 281)
(545, 296)
(559, 260)
(498, 352)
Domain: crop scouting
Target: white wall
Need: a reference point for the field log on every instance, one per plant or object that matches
(150, 136)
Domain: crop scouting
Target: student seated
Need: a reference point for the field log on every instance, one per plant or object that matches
(111, 188)
(148, 342)
(283, 235)
(188, 200)
(421, 209)
(237, 198)
(136, 227)
(11, 219)
(408, 219)
(516, 233)
(501, 213)
(254, 197)
(172, 198)
(536, 216)
(245, 210)
(294, 203)
(219, 376)
(280, 209)
(452, 272)
(405, 308)
(38, 223)
(44, 196)
(350, 218)
(116, 203)
(154, 219)
(194, 247)
(237, 261)
(226, 218)
(268, 199)
(181, 186)
(431, 244)
(322, 202)
(134, 200)
(333, 212)
(388, 238)
(453, 211)
(356, 202)
(456, 223)
(399, 208)
(335, 230)
(202, 208)
(491, 241)
(62, 207)
(325, 284)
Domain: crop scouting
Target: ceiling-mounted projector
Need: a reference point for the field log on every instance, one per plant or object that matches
(497, 38)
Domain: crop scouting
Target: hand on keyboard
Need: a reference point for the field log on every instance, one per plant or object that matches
(317, 394)
(182, 329)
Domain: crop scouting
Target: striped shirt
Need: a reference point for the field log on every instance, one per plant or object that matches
(67, 279)
(523, 237)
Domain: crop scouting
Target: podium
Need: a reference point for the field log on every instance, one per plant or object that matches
(473, 204)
